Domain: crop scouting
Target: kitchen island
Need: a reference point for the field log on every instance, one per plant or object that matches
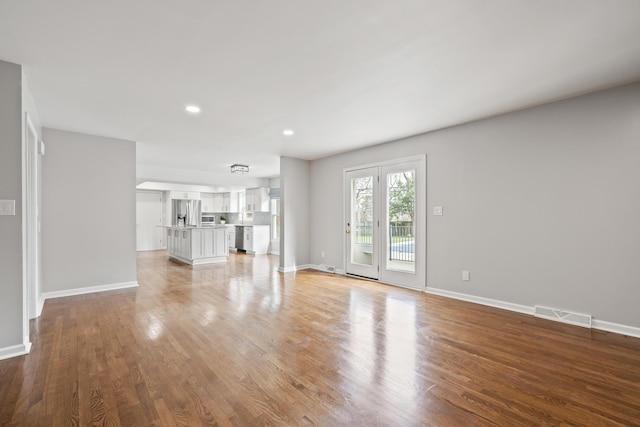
(197, 245)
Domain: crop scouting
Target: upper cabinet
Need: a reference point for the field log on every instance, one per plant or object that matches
(219, 202)
(257, 200)
(193, 195)
(230, 202)
(207, 202)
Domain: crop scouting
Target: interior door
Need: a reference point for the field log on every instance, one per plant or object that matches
(362, 222)
(148, 218)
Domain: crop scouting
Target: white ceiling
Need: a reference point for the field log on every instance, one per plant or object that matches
(342, 74)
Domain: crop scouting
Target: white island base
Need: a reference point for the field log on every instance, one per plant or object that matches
(198, 245)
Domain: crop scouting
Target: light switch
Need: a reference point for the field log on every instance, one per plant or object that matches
(437, 210)
(7, 207)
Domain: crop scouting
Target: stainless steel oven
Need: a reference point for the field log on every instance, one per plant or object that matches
(207, 219)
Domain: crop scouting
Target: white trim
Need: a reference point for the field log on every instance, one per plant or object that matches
(14, 351)
(40, 305)
(481, 300)
(324, 269)
(602, 325)
(199, 261)
(88, 290)
(617, 328)
(294, 268)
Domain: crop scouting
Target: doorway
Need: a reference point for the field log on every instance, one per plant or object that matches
(385, 222)
(149, 234)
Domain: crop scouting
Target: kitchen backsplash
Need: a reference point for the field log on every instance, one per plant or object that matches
(259, 218)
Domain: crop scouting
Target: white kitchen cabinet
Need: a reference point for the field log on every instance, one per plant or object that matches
(198, 245)
(220, 246)
(193, 195)
(257, 200)
(207, 202)
(214, 242)
(230, 202)
(218, 202)
(182, 241)
(248, 239)
(256, 239)
(231, 236)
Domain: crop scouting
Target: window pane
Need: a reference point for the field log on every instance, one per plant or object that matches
(362, 220)
(401, 231)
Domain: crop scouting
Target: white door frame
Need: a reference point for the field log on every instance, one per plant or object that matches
(415, 280)
(30, 286)
(163, 237)
(370, 271)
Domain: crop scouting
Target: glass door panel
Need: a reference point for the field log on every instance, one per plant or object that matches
(400, 225)
(362, 222)
(403, 219)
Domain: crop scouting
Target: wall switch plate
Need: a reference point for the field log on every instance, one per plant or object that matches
(7, 207)
(437, 210)
(465, 275)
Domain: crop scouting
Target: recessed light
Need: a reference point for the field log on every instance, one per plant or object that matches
(193, 109)
(288, 132)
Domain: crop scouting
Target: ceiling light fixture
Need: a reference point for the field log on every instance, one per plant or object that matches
(287, 132)
(192, 109)
(236, 168)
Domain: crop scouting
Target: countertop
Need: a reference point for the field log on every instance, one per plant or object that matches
(189, 227)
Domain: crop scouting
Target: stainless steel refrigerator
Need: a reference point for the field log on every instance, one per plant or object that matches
(185, 213)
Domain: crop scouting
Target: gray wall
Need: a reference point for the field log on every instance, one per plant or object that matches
(541, 205)
(89, 211)
(11, 291)
(294, 213)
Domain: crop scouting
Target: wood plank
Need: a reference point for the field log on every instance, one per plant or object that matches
(241, 344)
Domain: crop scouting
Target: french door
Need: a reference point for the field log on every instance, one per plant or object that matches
(362, 220)
(385, 222)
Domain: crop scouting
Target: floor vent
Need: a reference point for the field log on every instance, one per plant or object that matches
(327, 268)
(563, 316)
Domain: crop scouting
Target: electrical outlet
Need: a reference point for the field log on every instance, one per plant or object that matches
(437, 210)
(465, 275)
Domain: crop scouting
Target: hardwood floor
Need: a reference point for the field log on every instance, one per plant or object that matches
(241, 344)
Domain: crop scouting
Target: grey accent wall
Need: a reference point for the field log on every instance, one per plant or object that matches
(11, 290)
(542, 206)
(89, 212)
(294, 212)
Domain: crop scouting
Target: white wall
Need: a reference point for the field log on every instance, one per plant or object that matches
(11, 279)
(89, 212)
(542, 205)
(294, 213)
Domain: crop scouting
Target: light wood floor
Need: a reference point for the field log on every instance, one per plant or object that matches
(241, 344)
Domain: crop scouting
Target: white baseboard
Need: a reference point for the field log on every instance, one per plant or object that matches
(88, 290)
(294, 268)
(40, 305)
(617, 328)
(481, 300)
(14, 351)
(325, 269)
